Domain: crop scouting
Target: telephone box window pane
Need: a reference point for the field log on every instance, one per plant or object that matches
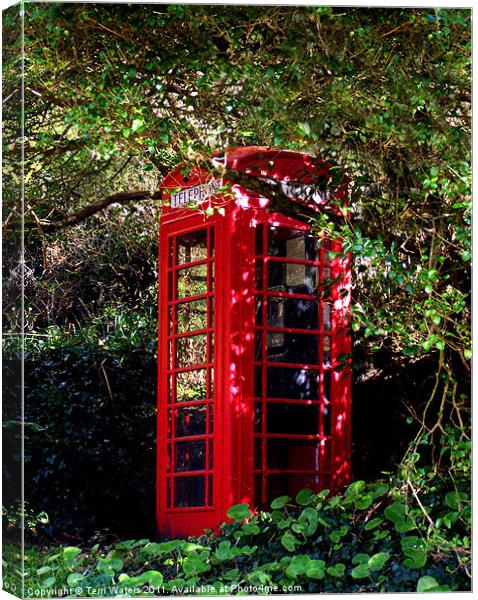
(257, 490)
(258, 382)
(211, 242)
(171, 252)
(258, 346)
(190, 456)
(211, 383)
(192, 281)
(259, 239)
(294, 455)
(327, 420)
(191, 247)
(292, 243)
(211, 418)
(210, 490)
(257, 453)
(211, 312)
(326, 245)
(189, 491)
(292, 278)
(326, 282)
(168, 493)
(293, 419)
(300, 384)
(211, 455)
(190, 421)
(296, 348)
(289, 312)
(278, 485)
(191, 350)
(171, 294)
(258, 280)
(191, 385)
(258, 310)
(168, 458)
(327, 349)
(327, 386)
(258, 417)
(325, 455)
(210, 287)
(170, 424)
(327, 311)
(192, 315)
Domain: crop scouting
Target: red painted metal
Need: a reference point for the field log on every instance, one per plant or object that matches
(229, 427)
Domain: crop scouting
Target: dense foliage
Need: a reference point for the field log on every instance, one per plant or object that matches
(117, 95)
(90, 427)
(370, 539)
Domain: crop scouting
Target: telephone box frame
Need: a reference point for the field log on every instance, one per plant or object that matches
(233, 331)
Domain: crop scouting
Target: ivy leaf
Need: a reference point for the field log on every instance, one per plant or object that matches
(74, 579)
(378, 560)
(360, 571)
(280, 502)
(304, 497)
(427, 584)
(71, 552)
(48, 582)
(289, 541)
(373, 523)
(239, 512)
(315, 569)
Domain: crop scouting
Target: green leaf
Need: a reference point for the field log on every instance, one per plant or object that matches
(71, 552)
(280, 502)
(452, 499)
(194, 566)
(155, 578)
(43, 570)
(48, 582)
(415, 551)
(307, 522)
(238, 512)
(378, 560)
(137, 123)
(360, 571)
(304, 497)
(336, 571)
(315, 569)
(74, 579)
(360, 558)
(289, 541)
(373, 523)
(355, 488)
(427, 584)
(395, 512)
(297, 566)
(363, 502)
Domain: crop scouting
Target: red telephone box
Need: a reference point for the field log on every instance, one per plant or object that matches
(252, 327)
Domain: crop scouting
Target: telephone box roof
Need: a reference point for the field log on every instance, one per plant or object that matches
(301, 177)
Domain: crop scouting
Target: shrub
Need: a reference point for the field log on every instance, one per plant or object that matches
(90, 409)
(372, 538)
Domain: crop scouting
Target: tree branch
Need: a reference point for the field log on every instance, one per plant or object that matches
(97, 206)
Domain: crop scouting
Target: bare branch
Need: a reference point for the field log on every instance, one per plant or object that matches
(95, 207)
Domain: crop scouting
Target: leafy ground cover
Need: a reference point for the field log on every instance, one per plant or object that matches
(374, 537)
